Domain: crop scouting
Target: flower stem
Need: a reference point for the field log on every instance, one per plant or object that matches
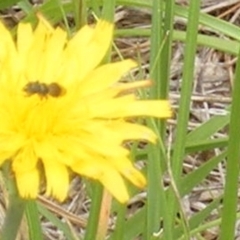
(15, 209)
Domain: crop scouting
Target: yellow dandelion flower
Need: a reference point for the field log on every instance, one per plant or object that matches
(60, 111)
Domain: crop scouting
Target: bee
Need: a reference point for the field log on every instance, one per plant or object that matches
(43, 89)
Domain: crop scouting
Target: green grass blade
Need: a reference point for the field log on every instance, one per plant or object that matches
(198, 218)
(228, 46)
(194, 178)
(203, 145)
(207, 129)
(225, 45)
(108, 10)
(120, 228)
(220, 25)
(232, 169)
(34, 224)
(183, 116)
(25, 6)
(92, 225)
(154, 170)
(16, 205)
(7, 3)
(160, 52)
(79, 12)
(135, 225)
